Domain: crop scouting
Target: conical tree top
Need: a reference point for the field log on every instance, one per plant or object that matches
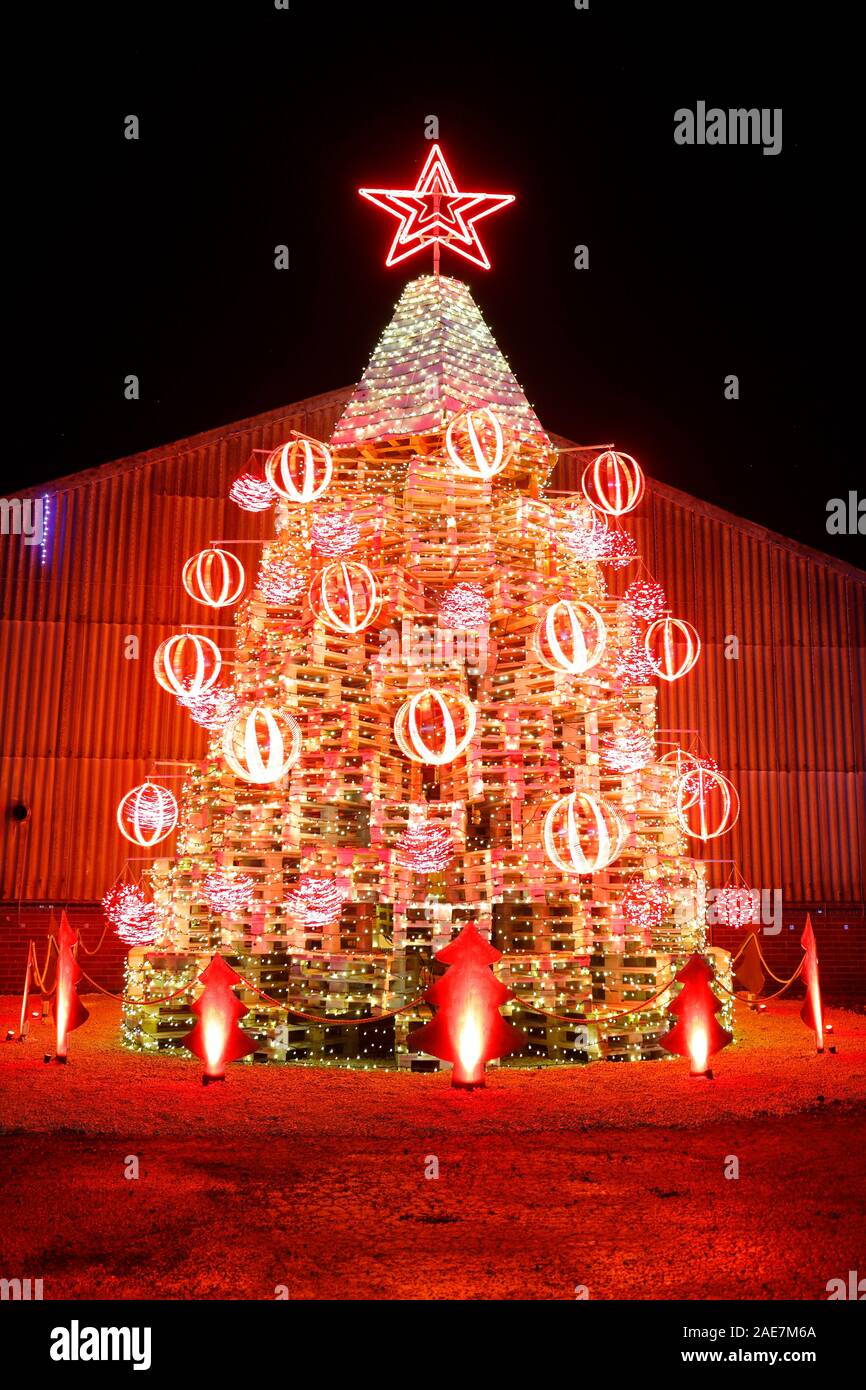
(436, 358)
(469, 948)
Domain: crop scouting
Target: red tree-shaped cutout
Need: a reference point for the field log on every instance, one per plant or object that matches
(68, 1010)
(216, 1038)
(698, 1034)
(812, 1012)
(468, 1028)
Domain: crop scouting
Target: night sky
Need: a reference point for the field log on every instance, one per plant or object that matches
(257, 126)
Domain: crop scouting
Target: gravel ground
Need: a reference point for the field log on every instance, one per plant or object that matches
(610, 1176)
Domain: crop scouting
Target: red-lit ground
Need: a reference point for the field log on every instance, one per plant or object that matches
(606, 1176)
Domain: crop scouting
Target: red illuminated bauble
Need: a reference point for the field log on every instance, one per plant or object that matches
(301, 470)
(570, 637)
(626, 750)
(345, 597)
(335, 533)
(227, 891)
(582, 834)
(632, 664)
(317, 900)
(252, 494)
(613, 483)
(707, 804)
(131, 914)
(147, 814)
(673, 646)
(187, 664)
(618, 550)
(734, 906)
(476, 444)
(213, 709)
(262, 744)
(645, 599)
(464, 608)
(690, 781)
(435, 728)
(280, 581)
(645, 904)
(425, 849)
(215, 577)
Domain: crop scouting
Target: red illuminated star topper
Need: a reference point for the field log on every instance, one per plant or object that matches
(434, 213)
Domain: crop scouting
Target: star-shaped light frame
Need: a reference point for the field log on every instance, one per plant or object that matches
(435, 213)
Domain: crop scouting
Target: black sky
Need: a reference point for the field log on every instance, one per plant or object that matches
(257, 126)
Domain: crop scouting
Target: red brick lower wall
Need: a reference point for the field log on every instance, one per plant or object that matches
(840, 932)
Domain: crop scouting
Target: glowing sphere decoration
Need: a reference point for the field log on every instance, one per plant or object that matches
(476, 445)
(317, 900)
(280, 580)
(300, 471)
(251, 494)
(734, 906)
(214, 577)
(335, 533)
(213, 709)
(672, 646)
(262, 744)
(645, 599)
(585, 533)
(690, 780)
(434, 728)
(464, 608)
(707, 804)
(187, 664)
(147, 815)
(571, 637)
(626, 750)
(619, 549)
(345, 597)
(645, 904)
(131, 914)
(582, 834)
(227, 891)
(425, 849)
(613, 483)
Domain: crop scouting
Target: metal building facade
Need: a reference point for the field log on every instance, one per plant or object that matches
(83, 718)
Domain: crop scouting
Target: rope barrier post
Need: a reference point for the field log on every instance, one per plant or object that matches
(23, 1021)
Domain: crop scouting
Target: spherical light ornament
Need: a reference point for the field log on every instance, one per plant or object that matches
(476, 445)
(147, 815)
(251, 494)
(280, 581)
(626, 750)
(133, 917)
(632, 664)
(734, 906)
(187, 664)
(317, 900)
(425, 849)
(582, 834)
(345, 597)
(213, 709)
(570, 637)
(613, 483)
(672, 646)
(464, 608)
(215, 577)
(584, 533)
(713, 811)
(301, 470)
(645, 904)
(619, 549)
(335, 533)
(262, 744)
(690, 780)
(435, 729)
(228, 892)
(645, 599)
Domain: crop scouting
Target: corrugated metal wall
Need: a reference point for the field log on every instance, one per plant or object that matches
(82, 723)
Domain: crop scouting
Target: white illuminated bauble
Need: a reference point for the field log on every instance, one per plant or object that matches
(215, 577)
(613, 483)
(570, 637)
(435, 729)
(345, 597)
(147, 814)
(582, 834)
(301, 470)
(187, 664)
(262, 744)
(672, 647)
(476, 445)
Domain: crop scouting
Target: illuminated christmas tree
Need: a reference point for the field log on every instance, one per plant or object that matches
(437, 713)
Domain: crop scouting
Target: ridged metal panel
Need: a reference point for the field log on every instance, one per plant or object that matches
(82, 723)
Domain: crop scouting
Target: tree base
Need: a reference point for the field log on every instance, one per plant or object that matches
(211, 1080)
(468, 1085)
(703, 1075)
